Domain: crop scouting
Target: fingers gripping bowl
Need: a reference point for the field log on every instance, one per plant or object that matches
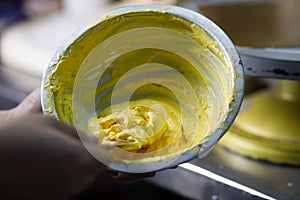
(161, 84)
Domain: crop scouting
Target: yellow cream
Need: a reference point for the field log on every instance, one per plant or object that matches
(61, 80)
(147, 126)
(136, 129)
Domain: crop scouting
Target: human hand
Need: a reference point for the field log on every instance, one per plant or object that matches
(45, 158)
(30, 105)
(122, 177)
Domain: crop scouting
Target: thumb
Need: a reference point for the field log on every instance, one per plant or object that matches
(30, 105)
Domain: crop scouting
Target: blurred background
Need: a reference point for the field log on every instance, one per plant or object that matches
(32, 30)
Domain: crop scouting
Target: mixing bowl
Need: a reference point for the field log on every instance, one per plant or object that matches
(158, 84)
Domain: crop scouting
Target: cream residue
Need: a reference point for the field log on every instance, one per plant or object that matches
(141, 128)
(134, 129)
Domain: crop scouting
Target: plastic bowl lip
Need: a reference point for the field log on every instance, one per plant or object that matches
(216, 33)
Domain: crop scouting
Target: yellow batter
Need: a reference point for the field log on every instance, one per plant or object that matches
(147, 126)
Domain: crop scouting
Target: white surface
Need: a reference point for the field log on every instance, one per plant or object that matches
(28, 46)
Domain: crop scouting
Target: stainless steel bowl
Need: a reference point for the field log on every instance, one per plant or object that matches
(75, 77)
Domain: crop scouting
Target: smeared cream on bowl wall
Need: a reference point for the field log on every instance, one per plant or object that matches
(148, 81)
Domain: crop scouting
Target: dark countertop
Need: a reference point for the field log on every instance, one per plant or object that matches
(226, 175)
